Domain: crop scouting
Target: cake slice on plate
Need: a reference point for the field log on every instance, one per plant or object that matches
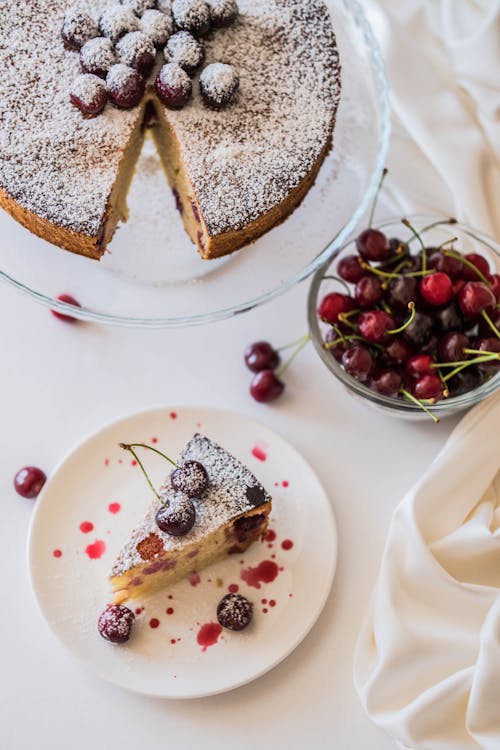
(230, 513)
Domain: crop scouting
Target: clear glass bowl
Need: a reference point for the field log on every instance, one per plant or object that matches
(469, 240)
(152, 275)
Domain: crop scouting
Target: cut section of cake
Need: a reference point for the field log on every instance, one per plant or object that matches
(231, 513)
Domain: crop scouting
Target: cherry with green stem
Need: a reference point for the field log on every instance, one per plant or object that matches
(407, 223)
(418, 403)
(267, 385)
(191, 477)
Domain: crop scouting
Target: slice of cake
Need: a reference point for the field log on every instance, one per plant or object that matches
(231, 513)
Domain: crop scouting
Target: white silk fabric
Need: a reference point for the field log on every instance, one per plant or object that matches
(427, 661)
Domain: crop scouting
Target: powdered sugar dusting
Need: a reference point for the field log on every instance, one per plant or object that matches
(259, 148)
(53, 161)
(224, 499)
(242, 160)
(158, 26)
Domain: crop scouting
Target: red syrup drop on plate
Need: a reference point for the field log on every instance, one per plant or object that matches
(114, 507)
(154, 622)
(154, 440)
(265, 572)
(173, 415)
(86, 527)
(259, 453)
(208, 635)
(233, 588)
(194, 579)
(284, 483)
(270, 536)
(57, 553)
(170, 611)
(96, 550)
(286, 544)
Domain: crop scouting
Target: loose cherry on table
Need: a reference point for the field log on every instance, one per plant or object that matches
(263, 359)
(69, 300)
(28, 481)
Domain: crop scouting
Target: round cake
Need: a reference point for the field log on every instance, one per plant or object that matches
(236, 171)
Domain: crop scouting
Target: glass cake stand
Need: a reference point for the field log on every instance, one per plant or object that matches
(152, 276)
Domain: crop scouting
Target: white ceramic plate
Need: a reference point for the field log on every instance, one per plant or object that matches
(90, 505)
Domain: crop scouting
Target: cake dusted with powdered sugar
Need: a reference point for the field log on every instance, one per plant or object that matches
(231, 513)
(237, 171)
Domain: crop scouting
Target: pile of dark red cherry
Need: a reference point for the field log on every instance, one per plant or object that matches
(414, 322)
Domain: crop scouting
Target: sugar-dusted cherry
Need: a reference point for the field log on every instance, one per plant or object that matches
(115, 623)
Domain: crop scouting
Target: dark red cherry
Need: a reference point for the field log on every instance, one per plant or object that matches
(484, 327)
(349, 269)
(419, 330)
(178, 517)
(374, 324)
(266, 386)
(336, 349)
(78, 27)
(464, 381)
(445, 264)
(436, 288)
(89, 94)
(69, 300)
(368, 292)
(418, 365)
(358, 362)
(333, 305)
(373, 245)
(387, 382)
(402, 290)
(115, 623)
(261, 356)
(479, 262)
(457, 285)
(191, 478)
(474, 297)
(428, 387)
(234, 612)
(494, 280)
(451, 347)
(448, 319)
(29, 481)
(396, 352)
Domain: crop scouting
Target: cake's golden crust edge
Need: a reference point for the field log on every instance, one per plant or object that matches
(228, 242)
(82, 244)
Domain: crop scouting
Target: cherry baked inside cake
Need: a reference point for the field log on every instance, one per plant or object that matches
(241, 98)
(210, 506)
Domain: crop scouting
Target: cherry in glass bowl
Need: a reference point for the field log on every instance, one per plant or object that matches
(434, 231)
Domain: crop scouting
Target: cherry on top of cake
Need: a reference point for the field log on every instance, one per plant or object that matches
(124, 43)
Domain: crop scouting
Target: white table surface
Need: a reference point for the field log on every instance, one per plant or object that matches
(60, 382)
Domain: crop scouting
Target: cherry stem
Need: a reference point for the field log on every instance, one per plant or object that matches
(439, 223)
(419, 238)
(394, 274)
(302, 343)
(337, 278)
(490, 323)
(467, 363)
(379, 186)
(129, 448)
(290, 344)
(351, 337)
(419, 403)
(411, 308)
(480, 351)
(463, 259)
